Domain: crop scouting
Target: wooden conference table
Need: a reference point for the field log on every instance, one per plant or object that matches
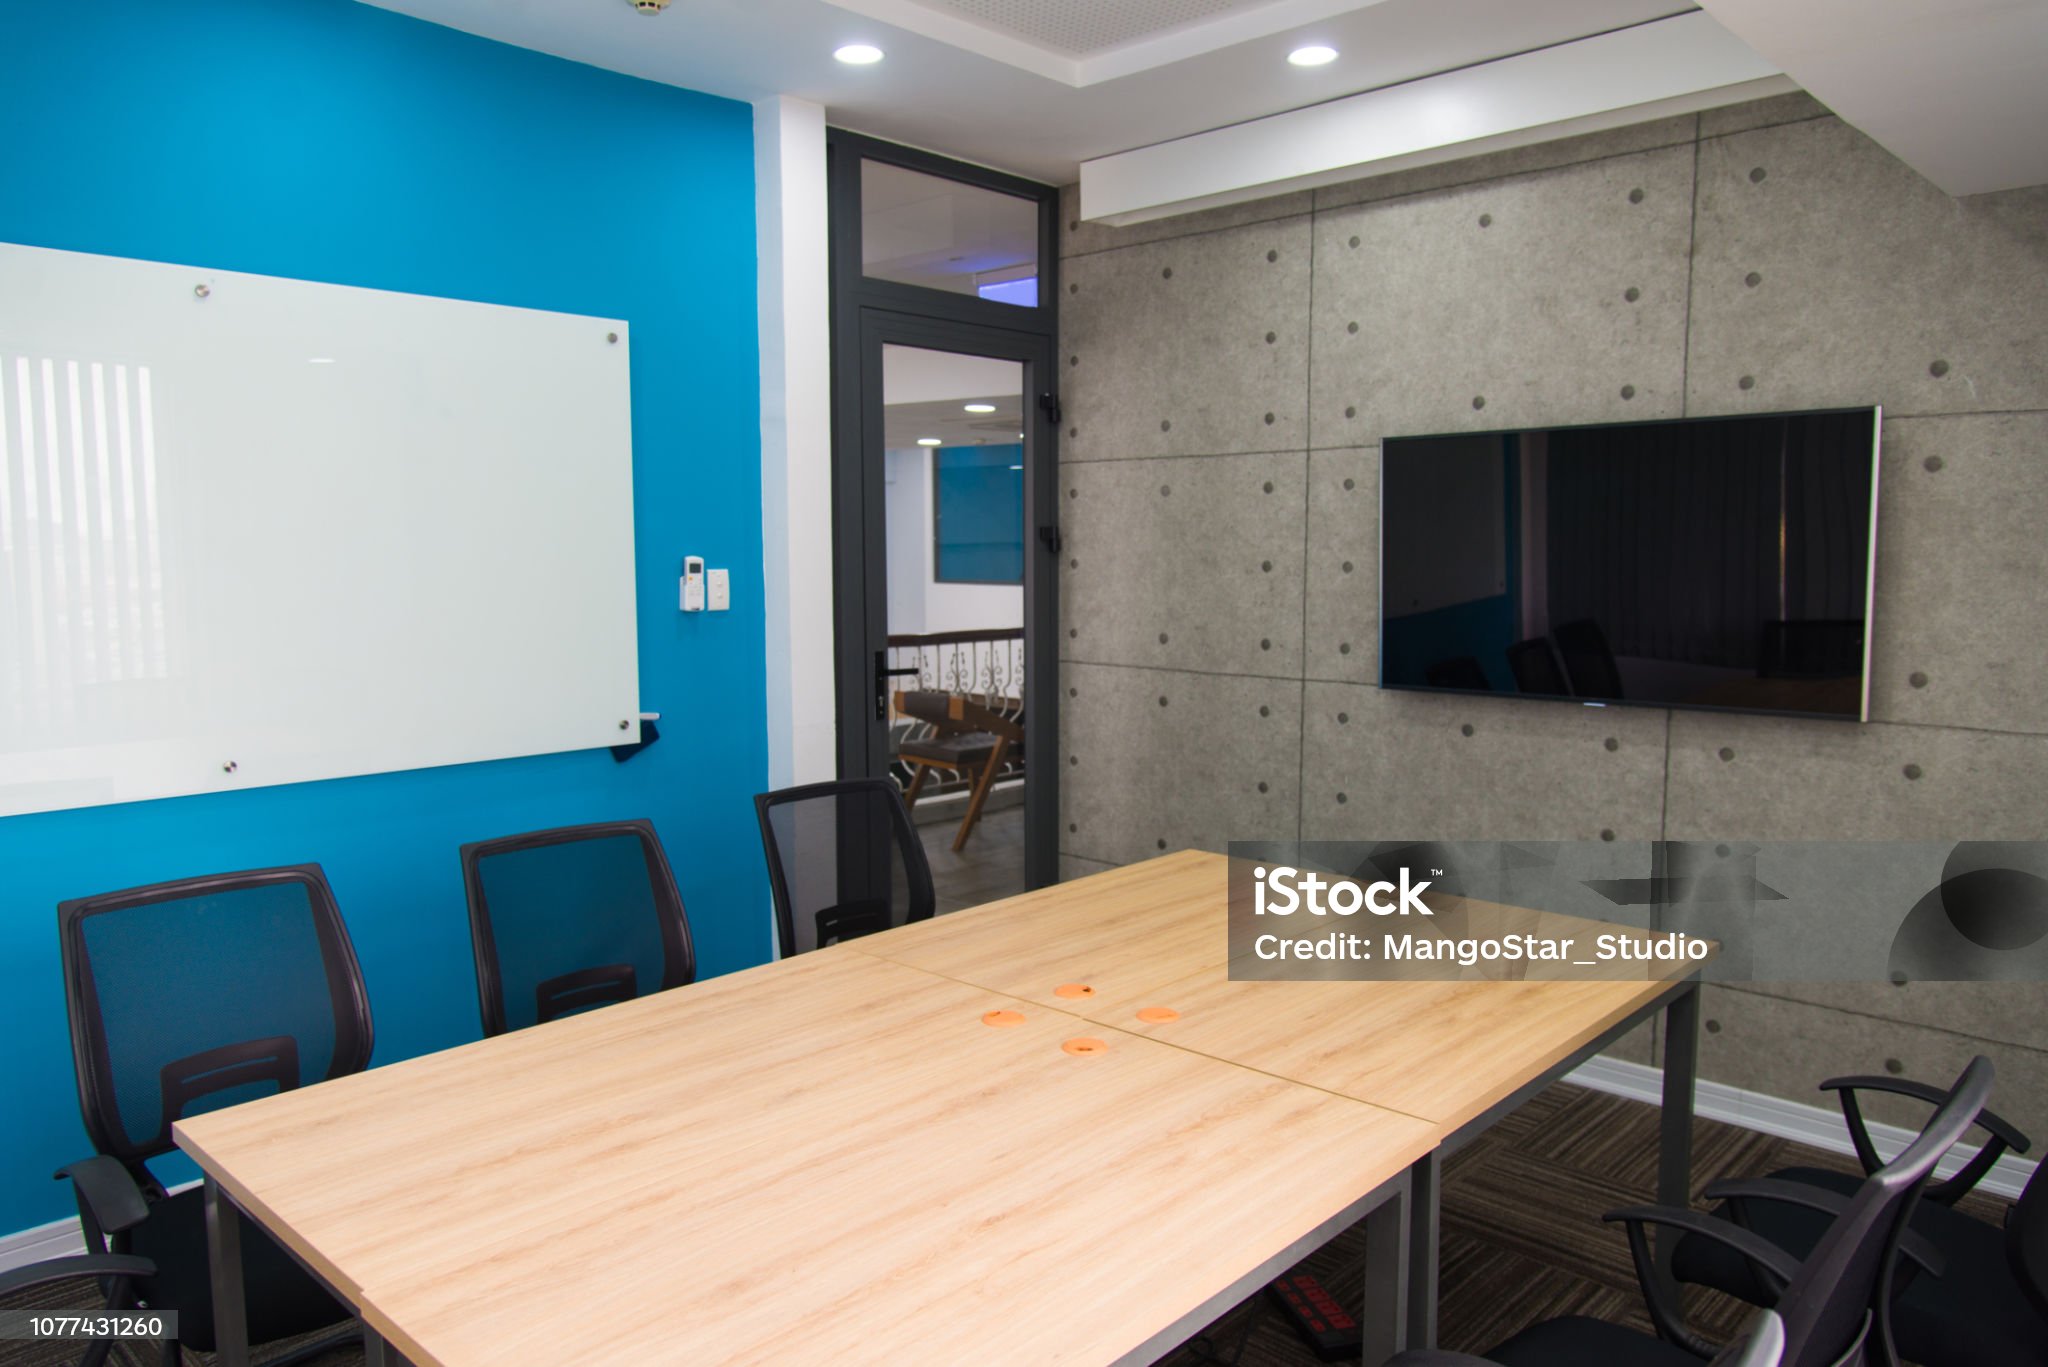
(926, 1146)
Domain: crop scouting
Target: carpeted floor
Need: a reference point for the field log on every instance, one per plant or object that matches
(1522, 1235)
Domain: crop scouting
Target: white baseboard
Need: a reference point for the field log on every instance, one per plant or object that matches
(1817, 1126)
(1796, 1120)
(58, 1239)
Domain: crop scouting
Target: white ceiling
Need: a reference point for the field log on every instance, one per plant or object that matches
(1678, 65)
(904, 424)
(925, 394)
(1033, 108)
(924, 230)
(1083, 28)
(1081, 42)
(1956, 89)
(920, 375)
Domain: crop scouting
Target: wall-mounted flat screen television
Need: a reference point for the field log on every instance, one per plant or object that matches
(1705, 562)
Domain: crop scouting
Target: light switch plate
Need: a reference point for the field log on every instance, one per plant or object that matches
(718, 589)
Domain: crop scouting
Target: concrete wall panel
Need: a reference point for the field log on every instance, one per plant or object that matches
(1193, 346)
(1400, 766)
(1961, 618)
(1184, 563)
(1828, 273)
(1160, 760)
(1343, 617)
(1549, 298)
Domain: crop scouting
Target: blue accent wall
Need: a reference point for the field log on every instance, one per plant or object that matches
(329, 140)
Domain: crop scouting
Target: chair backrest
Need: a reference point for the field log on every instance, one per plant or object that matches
(2026, 1240)
(1588, 659)
(189, 996)
(570, 918)
(843, 861)
(1828, 1307)
(1534, 665)
(1761, 1343)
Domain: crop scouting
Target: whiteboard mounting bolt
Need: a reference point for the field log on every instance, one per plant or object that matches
(625, 726)
(229, 767)
(202, 290)
(611, 337)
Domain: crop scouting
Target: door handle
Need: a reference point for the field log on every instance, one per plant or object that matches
(883, 673)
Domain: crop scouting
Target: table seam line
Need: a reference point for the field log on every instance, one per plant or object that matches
(1169, 1044)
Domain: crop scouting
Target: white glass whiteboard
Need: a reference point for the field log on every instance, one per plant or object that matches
(258, 531)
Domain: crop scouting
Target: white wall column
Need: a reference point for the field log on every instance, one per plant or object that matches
(796, 436)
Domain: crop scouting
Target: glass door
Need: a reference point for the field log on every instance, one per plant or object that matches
(952, 627)
(944, 466)
(945, 461)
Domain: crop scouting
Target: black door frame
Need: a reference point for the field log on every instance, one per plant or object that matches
(867, 314)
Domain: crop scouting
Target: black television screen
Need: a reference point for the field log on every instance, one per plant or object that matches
(1703, 562)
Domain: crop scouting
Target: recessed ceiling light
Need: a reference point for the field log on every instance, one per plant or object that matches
(930, 441)
(1315, 54)
(981, 408)
(867, 54)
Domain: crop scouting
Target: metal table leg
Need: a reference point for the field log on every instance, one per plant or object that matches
(1674, 1152)
(1425, 1181)
(224, 1260)
(1384, 1317)
(377, 1352)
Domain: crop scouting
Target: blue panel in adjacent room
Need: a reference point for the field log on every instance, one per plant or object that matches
(980, 514)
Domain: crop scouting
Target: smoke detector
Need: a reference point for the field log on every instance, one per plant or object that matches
(649, 6)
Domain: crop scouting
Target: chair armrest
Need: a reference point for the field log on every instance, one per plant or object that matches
(2004, 1134)
(1912, 1244)
(1993, 1123)
(94, 1265)
(1773, 1265)
(109, 1200)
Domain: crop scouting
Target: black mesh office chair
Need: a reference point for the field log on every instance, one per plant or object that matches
(567, 919)
(1588, 659)
(1831, 1303)
(1760, 1344)
(843, 861)
(1989, 1309)
(186, 997)
(1534, 665)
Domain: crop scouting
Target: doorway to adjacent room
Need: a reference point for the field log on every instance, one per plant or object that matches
(945, 530)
